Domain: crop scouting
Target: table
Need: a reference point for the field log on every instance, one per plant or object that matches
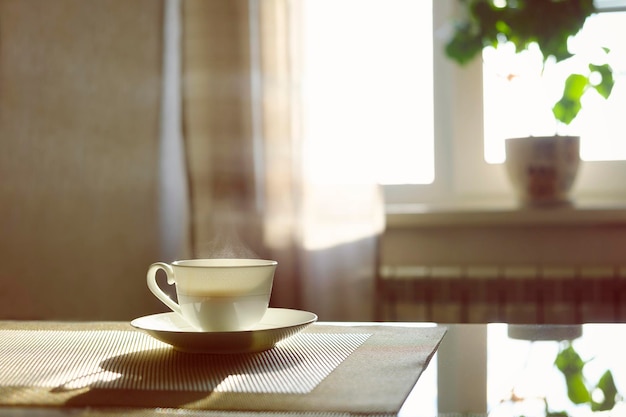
(475, 371)
(103, 368)
(480, 368)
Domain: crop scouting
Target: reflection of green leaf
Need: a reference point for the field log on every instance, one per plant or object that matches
(553, 413)
(607, 385)
(569, 361)
(571, 365)
(576, 389)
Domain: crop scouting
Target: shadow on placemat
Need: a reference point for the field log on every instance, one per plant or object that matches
(165, 377)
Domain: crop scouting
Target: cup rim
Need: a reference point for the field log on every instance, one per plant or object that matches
(224, 263)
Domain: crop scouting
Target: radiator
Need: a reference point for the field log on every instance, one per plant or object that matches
(510, 294)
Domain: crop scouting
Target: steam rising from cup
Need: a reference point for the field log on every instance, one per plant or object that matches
(226, 244)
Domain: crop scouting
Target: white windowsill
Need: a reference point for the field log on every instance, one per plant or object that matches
(491, 214)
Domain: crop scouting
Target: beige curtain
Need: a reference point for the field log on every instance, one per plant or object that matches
(250, 194)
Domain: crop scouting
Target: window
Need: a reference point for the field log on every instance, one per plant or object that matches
(462, 173)
(380, 93)
(367, 86)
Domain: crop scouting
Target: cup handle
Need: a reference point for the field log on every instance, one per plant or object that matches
(156, 290)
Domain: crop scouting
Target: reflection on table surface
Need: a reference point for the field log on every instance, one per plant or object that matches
(504, 371)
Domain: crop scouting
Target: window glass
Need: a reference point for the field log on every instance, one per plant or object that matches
(519, 93)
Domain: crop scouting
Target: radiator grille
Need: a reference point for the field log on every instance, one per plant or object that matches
(512, 294)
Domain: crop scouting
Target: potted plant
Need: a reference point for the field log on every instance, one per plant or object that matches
(542, 169)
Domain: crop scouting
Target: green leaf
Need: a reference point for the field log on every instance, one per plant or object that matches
(566, 109)
(575, 86)
(465, 45)
(607, 385)
(605, 86)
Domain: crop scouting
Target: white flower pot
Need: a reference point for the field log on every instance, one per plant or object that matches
(543, 169)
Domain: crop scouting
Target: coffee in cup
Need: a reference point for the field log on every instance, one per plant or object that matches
(217, 294)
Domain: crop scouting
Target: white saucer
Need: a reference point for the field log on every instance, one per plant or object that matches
(276, 325)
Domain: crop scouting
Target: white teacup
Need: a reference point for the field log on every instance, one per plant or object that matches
(217, 294)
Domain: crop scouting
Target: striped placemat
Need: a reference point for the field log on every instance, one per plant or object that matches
(366, 369)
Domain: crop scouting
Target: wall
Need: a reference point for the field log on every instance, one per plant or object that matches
(79, 129)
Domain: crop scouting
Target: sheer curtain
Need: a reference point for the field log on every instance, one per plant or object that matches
(254, 183)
